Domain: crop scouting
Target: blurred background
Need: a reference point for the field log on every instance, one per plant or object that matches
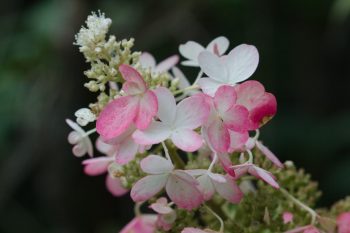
(304, 51)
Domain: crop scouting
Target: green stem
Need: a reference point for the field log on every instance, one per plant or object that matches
(222, 226)
(175, 157)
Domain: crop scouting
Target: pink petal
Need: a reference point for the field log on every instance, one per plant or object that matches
(115, 187)
(271, 156)
(96, 166)
(242, 62)
(226, 163)
(206, 186)
(148, 186)
(166, 105)
(217, 177)
(130, 74)
(192, 230)
(116, 117)
(182, 174)
(155, 164)
(236, 118)
(155, 133)
(126, 151)
(167, 64)
(161, 206)
(238, 140)
(265, 176)
(213, 66)
(304, 229)
(343, 222)
(145, 223)
(192, 112)
(187, 140)
(209, 86)
(219, 45)
(229, 190)
(148, 108)
(287, 217)
(218, 136)
(264, 110)
(183, 193)
(191, 50)
(224, 99)
(147, 60)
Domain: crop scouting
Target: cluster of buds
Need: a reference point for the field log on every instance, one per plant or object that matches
(157, 122)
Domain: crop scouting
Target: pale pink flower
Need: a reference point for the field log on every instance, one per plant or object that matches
(166, 215)
(287, 217)
(123, 147)
(177, 121)
(225, 115)
(180, 186)
(209, 183)
(343, 222)
(139, 106)
(258, 172)
(262, 106)
(196, 230)
(304, 229)
(145, 223)
(147, 60)
(231, 69)
(191, 50)
(80, 139)
(99, 166)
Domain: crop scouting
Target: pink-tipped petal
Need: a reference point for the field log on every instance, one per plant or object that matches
(242, 62)
(166, 105)
(209, 86)
(238, 140)
(155, 164)
(183, 193)
(148, 186)
(187, 140)
(266, 176)
(218, 136)
(126, 151)
(192, 112)
(156, 133)
(236, 118)
(130, 74)
(115, 187)
(224, 99)
(116, 117)
(219, 45)
(147, 60)
(167, 64)
(229, 190)
(213, 66)
(96, 166)
(271, 156)
(148, 108)
(145, 223)
(226, 163)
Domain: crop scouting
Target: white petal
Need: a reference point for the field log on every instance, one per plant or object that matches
(166, 105)
(209, 86)
(219, 45)
(148, 186)
(126, 151)
(155, 164)
(229, 190)
(147, 60)
(183, 82)
(187, 140)
(191, 50)
(155, 133)
(206, 186)
(167, 64)
(242, 62)
(217, 177)
(213, 66)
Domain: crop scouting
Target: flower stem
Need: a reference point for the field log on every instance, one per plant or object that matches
(193, 87)
(137, 208)
(218, 218)
(301, 205)
(213, 162)
(91, 131)
(198, 77)
(166, 151)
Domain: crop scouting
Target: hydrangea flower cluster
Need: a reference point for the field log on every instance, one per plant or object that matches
(191, 152)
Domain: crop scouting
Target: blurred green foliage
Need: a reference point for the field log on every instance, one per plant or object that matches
(303, 45)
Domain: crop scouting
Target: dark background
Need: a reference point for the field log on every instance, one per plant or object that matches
(304, 48)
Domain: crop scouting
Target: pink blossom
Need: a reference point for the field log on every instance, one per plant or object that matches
(225, 115)
(145, 223)
(343, 222)
(80, 140)
(258, 172)
(236, 67)
(180, 186)
(191, 50)
(99, 166)
(262, 106)
(287, 217)
(196, 230)
(209, 183)
(166, 215)
(139, 106)
(148, 61)
(304, 229)
(177, 121)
